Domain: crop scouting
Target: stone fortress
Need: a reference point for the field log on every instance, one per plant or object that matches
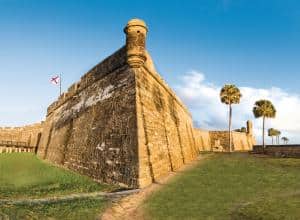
(121, 123)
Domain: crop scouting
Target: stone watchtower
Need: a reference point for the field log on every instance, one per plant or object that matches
(136, 32)
(249, 127)
(250, 135)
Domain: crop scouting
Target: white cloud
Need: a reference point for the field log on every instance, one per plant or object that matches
(203, 100)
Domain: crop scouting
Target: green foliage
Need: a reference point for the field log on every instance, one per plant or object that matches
(277, 132)
(273, 132)
(285, 140)
(231, 186)
(88, 209)
(264, 108)
(230, 94)
(242, 129)
(24, 175)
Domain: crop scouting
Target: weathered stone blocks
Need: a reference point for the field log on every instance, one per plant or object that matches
(29, 134)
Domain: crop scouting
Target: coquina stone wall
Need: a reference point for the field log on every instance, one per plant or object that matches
(202, 139)
(28, 134)
(121, 123)
(92, 128)
(165, 131)
(218, 141)
(287, 150)
(241, 141)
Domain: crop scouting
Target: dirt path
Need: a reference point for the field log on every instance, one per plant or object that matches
(69, 197)
(129, 207)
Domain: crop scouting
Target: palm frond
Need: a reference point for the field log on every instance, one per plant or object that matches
(230, 94)
(264, 108)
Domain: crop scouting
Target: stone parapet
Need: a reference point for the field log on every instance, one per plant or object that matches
(107, 66)
(28, 134)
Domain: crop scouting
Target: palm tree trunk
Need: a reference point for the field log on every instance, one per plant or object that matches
(229, 129)
(263, 133)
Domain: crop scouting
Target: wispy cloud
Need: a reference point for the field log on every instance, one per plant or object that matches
(202, 98)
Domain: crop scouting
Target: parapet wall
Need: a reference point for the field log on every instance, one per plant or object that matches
(241, 141)
(28, 134)
(279, 150)
(107, 66)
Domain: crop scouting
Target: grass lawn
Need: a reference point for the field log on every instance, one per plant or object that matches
(24, 175)
(87, 209)
(231, 186)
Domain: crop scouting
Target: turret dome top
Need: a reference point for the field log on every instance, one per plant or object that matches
(135, 22)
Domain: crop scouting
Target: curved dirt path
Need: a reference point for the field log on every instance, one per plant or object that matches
(53, 199)
(129, 207)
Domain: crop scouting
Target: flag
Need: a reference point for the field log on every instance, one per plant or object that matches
(55, 80)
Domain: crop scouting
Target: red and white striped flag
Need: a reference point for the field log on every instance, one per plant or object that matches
(55, 80)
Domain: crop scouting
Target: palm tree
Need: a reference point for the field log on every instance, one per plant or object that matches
(265, 109)
(277, 134)
(229, 95)
(285, 140)
(272, 133)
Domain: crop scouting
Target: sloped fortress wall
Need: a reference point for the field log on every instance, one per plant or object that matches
(28, 134)
(202, 139)
(120, 123)
(92, 128)
(165, 133)
(166, 136)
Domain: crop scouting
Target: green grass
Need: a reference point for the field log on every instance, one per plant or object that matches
(236, 186)
(24, 175)
(87, 209)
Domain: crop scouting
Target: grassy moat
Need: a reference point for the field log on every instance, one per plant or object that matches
(231, 186)
(23, 175)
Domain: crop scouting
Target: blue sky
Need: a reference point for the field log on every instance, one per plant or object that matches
(254, 44)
